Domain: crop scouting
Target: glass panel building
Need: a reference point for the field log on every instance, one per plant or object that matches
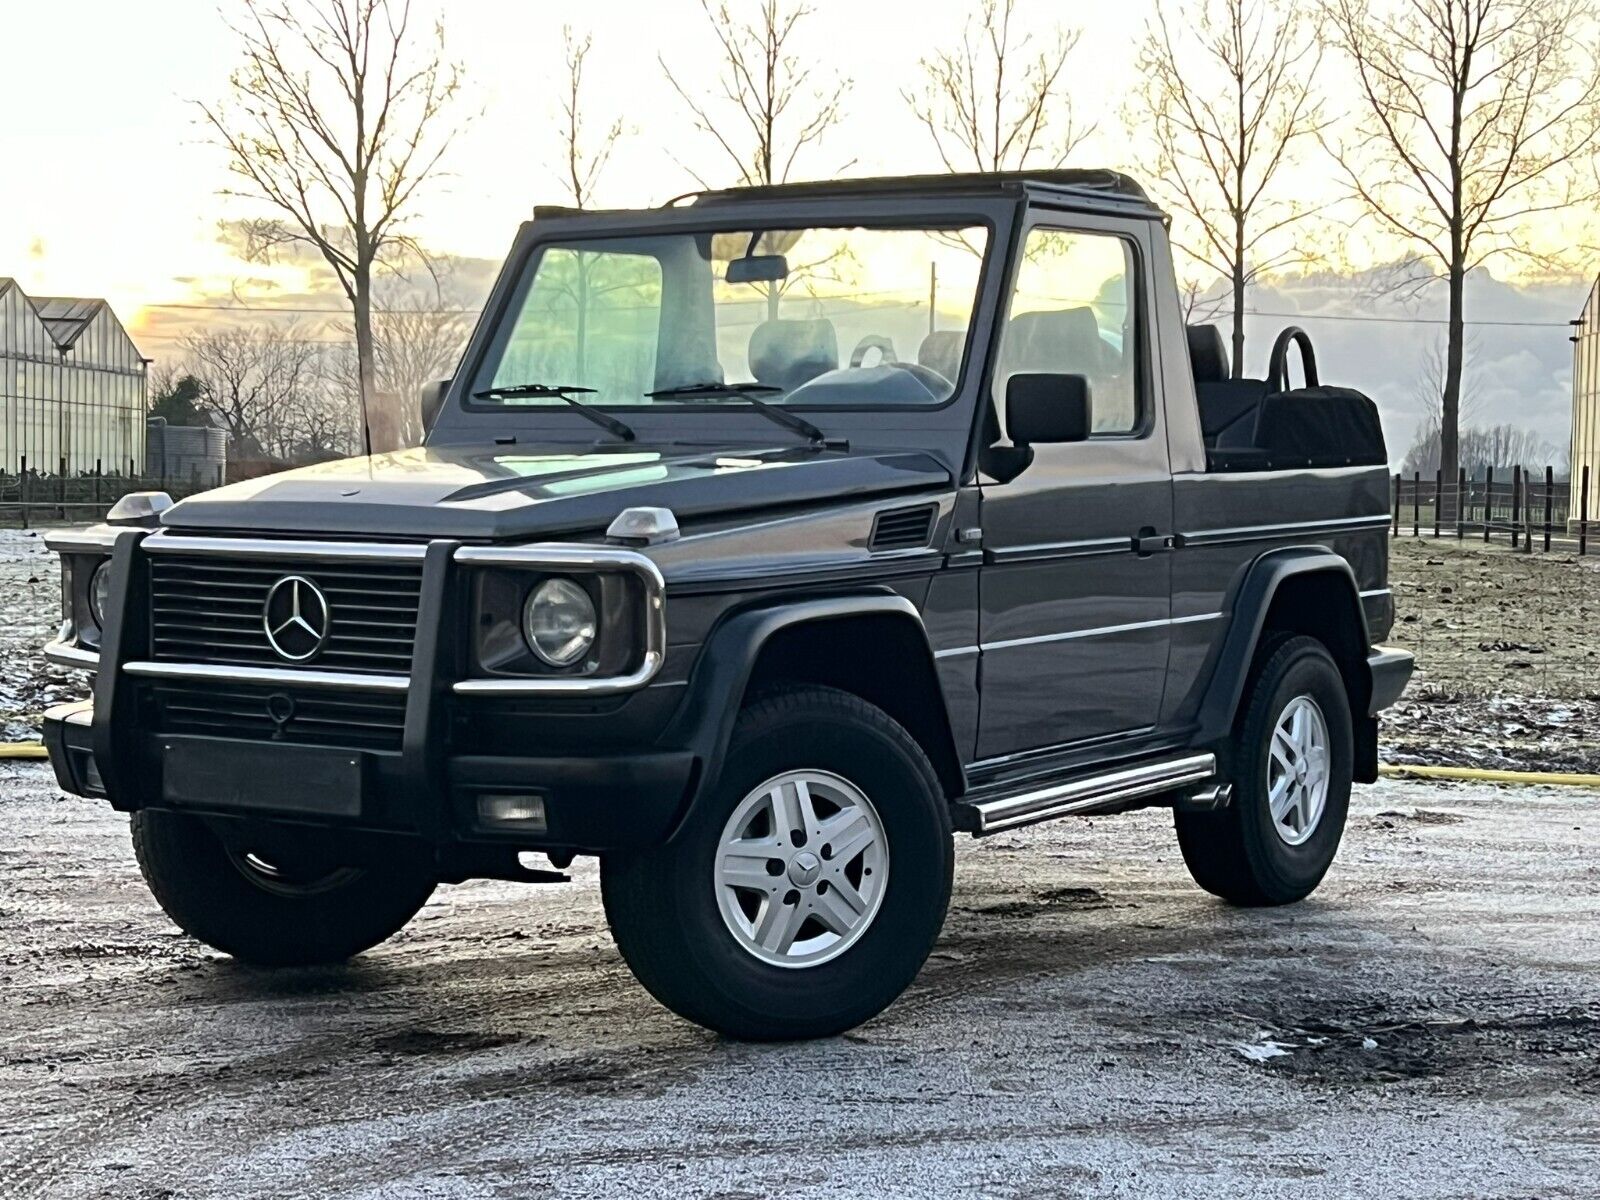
(72, 387)
(1586, 404)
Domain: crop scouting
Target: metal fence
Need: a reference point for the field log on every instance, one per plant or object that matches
(1530, 508)
(30, 495)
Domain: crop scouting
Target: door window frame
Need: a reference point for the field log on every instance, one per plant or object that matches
(1056, 221)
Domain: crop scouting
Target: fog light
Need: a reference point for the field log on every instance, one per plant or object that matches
(512, 812)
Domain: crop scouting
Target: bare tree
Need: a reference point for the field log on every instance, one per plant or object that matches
(766, 110)
(995, 102)
(254, 384)
(418, 333)
(1428, 389)
(1227, 96)
(1477, 115)
(1481, 448)
(585, 158)
(334, 119)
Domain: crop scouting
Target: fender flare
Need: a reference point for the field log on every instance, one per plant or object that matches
(704, 721)
(1252, 601)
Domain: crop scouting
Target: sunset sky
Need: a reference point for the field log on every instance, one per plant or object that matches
(109, 187)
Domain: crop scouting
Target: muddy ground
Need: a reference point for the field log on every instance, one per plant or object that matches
(1508, 657)
(1090, 1024)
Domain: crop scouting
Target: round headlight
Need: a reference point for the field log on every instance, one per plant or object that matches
(100, 592)
(559, 622)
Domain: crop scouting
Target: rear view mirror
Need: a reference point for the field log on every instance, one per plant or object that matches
(431, 399)
(758, 268)
(1044, 408)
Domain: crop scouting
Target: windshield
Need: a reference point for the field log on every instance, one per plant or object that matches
(826, 317)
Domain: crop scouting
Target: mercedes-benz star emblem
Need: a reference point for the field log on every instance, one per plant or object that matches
(295, 617)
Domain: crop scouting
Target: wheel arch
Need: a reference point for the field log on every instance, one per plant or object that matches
(841, 641)
(1299, 590)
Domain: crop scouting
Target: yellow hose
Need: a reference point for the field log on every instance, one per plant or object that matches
(36, 750)
(1483, 775)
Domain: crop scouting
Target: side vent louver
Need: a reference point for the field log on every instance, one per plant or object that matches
(903, 528)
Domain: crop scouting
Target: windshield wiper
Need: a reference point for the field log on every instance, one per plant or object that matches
(561, 392)
(747, 393)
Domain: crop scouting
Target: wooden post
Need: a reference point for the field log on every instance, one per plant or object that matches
(1397, 504)
(22, 488)
(1416, 505)
(1488, 500)
(1527, 512)
(98, 472)
(1516, 503)
(1438, 499)
(1461, 502)
(1583, 514)
(1549, 502)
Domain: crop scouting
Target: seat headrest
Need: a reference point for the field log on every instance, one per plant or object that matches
(1044, 341)
(1208, 353)
(941, 351)
(787, 353)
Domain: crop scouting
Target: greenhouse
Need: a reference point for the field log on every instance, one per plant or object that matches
(72, 387)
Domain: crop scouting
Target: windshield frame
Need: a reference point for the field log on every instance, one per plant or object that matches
(993, 214)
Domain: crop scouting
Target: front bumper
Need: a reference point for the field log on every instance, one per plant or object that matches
(598, 771)
(592, 803)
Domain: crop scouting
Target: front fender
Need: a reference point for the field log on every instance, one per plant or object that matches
(716, 688)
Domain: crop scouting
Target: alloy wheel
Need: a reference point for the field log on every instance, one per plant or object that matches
(801, 868)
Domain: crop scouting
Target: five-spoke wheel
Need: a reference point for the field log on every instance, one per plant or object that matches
(802, 868)
(1291, 763)
(1297, 770)
(808, 883)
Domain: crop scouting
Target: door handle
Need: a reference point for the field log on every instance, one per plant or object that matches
(1147, 542)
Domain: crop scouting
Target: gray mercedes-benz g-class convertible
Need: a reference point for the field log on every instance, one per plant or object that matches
(759, 542)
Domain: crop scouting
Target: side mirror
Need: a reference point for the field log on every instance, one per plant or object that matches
(431, 399)
(1044, 408)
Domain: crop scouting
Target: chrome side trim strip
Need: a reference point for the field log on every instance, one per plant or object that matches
(1375, 592)
(1251, 533)
(64, 654)
(1041, 551)
(562, 556)
(276, 676)
(1095, 792)
(1100, 631)
(231, 547)
(956, 652)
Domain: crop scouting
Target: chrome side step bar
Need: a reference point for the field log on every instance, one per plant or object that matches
(1092, 794)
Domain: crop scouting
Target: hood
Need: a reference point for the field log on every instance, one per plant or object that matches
(505, 492)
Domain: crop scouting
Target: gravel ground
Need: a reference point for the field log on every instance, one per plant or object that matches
(1426, 1025)
(1508, 657)
(30, 609)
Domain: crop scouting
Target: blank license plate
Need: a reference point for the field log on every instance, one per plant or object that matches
(263, 777)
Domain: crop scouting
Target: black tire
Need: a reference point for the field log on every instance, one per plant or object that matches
(1238, 852)
(271, 916)
(663, 907)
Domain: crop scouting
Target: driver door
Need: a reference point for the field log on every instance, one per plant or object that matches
(1075, 600)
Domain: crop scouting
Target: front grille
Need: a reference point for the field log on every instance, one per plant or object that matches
(210, 610)
(295, 715)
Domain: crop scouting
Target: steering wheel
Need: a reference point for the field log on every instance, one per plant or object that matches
(874, 341)
(1278, 363)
